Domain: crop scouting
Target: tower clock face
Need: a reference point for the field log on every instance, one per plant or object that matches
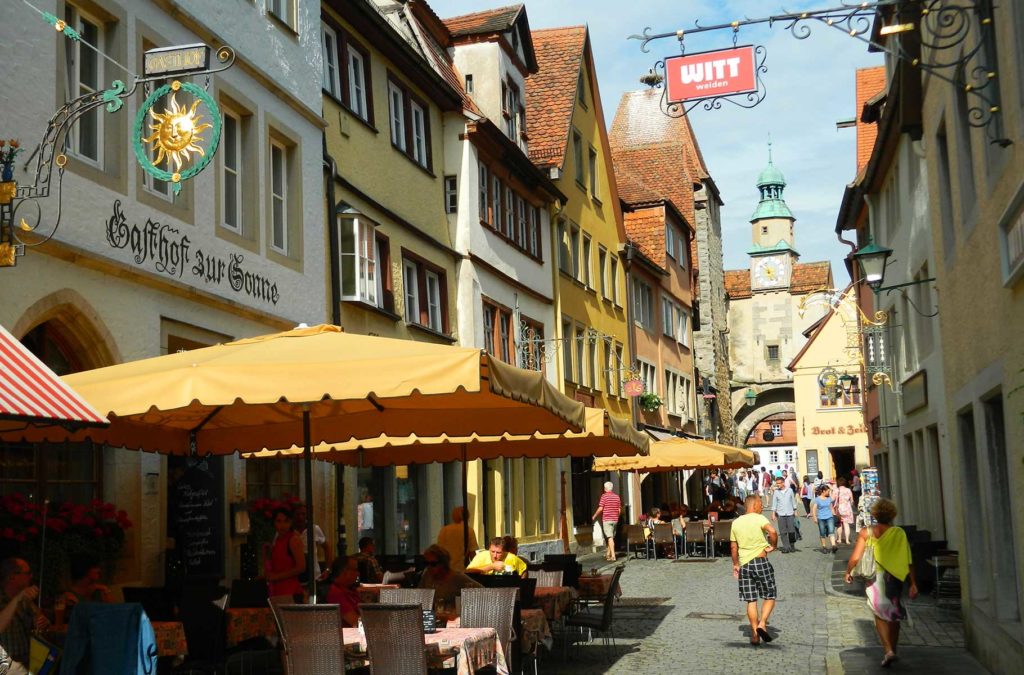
(771, 272)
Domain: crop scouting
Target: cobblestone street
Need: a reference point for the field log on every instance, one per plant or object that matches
(686, 615)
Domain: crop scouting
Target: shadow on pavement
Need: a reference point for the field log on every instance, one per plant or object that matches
(930, 660)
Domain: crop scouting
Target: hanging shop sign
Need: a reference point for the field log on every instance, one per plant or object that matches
(633, 388)
(176, 60)
(722, 72)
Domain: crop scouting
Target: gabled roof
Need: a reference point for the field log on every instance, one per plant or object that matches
(870, 83)
(551, 92)
(645, 228)
(737, 284)
(806, 278)
(495, 22)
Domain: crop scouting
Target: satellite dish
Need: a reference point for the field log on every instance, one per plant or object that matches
(768, 436)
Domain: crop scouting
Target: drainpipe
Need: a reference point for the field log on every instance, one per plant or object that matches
(330, 171)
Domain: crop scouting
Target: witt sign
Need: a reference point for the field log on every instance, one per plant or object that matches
(710, 74)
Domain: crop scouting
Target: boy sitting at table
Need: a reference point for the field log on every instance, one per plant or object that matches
(344, 580)
(497, 560)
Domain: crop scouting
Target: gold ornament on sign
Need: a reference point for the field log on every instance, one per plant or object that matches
(175, 132)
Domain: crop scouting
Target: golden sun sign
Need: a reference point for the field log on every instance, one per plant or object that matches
(175, 133)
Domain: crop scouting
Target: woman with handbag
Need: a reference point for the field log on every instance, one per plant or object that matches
(882, 558)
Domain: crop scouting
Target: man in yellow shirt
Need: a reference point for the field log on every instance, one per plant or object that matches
(497, 559)
(750, 565)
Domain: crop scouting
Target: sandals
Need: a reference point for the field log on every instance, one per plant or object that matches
(889, 659)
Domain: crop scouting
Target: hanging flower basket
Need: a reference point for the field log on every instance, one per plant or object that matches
(650, 402)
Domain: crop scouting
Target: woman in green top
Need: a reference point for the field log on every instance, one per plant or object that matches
(893, 568)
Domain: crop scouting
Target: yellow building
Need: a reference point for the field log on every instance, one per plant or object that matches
(391, 261)
(568, 138)
(831, 436)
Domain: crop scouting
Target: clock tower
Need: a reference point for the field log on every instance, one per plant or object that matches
(772, 256)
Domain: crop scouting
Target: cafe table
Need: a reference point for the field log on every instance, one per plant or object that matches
(535, 630)
(554, 600)
(169, 635)
(245, 623)
(370, 593)
(465, 649)
(595, 587)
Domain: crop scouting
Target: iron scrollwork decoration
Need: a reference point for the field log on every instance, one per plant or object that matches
(24, 208)
(955, 43)
(744, 100)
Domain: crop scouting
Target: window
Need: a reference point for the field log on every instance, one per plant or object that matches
(670, 240)
(531, 354)
(357, 84)
(777, 430)
(521, 223)
(536, 247)
(511, 109)
(564, 256)
(150, 183)
(586, 262)
(329, 47)
(674, 322)
(270, 479)
(283, 10)
(231, 208)
(945, 170)
(567, 348)
(677, 394)
(365, 263)
(682, 329)
(85, 76)
(509, 226)
(581, 92)
(592, 363)
(499, 338)
(574, 243)
(773, 353)
(614, 279)
(789, 454)
(773, 456)
(495, 216)
(592, 166)
(577, 156)
(618, 370)
(843, 400)
(602, 269)
(410, 280)
(581, 357)
(484, 207)
(419, 134)
(643, 305)
(451, 194)
(397, 103)
(649, 376)
(469, 84)
(433, 301)
(279, 197)
(667, 317)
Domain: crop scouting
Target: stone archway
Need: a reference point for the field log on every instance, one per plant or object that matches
(78, 326)
(758, 415)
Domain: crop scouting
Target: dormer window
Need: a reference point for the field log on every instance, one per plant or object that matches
(511, 109)
(515, 40)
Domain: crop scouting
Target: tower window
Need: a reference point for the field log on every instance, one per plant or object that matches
(764, 229)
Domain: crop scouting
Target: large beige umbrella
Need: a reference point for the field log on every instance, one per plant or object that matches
(311, 385)
(674, 454)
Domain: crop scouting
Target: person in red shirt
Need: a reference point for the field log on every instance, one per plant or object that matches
(608, 508)
(344, 581)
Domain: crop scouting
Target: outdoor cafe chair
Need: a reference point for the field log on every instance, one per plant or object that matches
(722, 532)
(662, 534)
(407, 596)
(313, 639)
(548, 578)
(695, 537)
(394, 639)
(602, 622)
(490, 608)
(635, 537)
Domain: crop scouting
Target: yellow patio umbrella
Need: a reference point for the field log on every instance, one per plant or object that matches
(310, 385)
(673, 454)
(739, 457)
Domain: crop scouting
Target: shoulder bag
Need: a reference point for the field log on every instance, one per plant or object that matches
(865, 568)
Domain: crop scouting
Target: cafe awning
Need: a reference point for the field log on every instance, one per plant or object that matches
(675, 454)
(31, 393)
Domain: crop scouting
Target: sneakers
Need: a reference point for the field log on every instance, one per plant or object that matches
(835, 549)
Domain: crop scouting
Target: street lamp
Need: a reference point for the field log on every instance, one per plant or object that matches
(846, 381)
(750, 398)
(872, 259)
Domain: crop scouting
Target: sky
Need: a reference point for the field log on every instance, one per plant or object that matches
(810, 87)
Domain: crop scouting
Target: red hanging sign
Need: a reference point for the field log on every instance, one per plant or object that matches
(633, 387)
(710, 74)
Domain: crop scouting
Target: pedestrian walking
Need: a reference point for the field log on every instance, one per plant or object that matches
(784, 514)
(751, 567)
(608, 508)
(766, 482)
(844, 507)
(856, 488)
(821, 510)
(893, 569)
(807, 494)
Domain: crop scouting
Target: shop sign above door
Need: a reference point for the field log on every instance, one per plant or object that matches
(722, 72)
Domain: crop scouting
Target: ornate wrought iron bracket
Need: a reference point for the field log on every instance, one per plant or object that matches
(955, 45)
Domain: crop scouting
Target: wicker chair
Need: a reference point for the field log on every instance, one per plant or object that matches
(548, 578)
(695, 537)
(490, 608)
(635, 538)
(408, 596)
(722, 533)
(312, 637)
(603, 621)
(662, 535)
(394, 639)
(275, 602)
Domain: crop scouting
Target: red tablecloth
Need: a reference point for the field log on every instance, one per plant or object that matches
(249, 622)
(470, 648)
(554, 600)
(595, 588)
(170, 638)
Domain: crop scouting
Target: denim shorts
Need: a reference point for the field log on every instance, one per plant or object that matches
(826, 527)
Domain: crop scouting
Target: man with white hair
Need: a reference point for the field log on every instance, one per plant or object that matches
(608, 508)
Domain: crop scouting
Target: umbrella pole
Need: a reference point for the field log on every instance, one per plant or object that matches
(465, 509)
(310, 545)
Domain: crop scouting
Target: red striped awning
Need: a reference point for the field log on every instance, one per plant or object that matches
(31, 392)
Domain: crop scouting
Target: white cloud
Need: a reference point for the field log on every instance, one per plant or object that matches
(810, 85)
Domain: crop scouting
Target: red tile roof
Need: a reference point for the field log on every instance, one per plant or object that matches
(806, 278)
(551, 92)
(645, 227)
(486, 21)
(737, 284)
(870, 81)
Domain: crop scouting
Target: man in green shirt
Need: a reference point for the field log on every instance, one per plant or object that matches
(750, 565)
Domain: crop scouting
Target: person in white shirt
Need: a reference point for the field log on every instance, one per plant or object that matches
(323, 549)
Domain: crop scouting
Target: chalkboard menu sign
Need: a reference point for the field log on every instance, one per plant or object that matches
(429, 621)
(195, 513)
